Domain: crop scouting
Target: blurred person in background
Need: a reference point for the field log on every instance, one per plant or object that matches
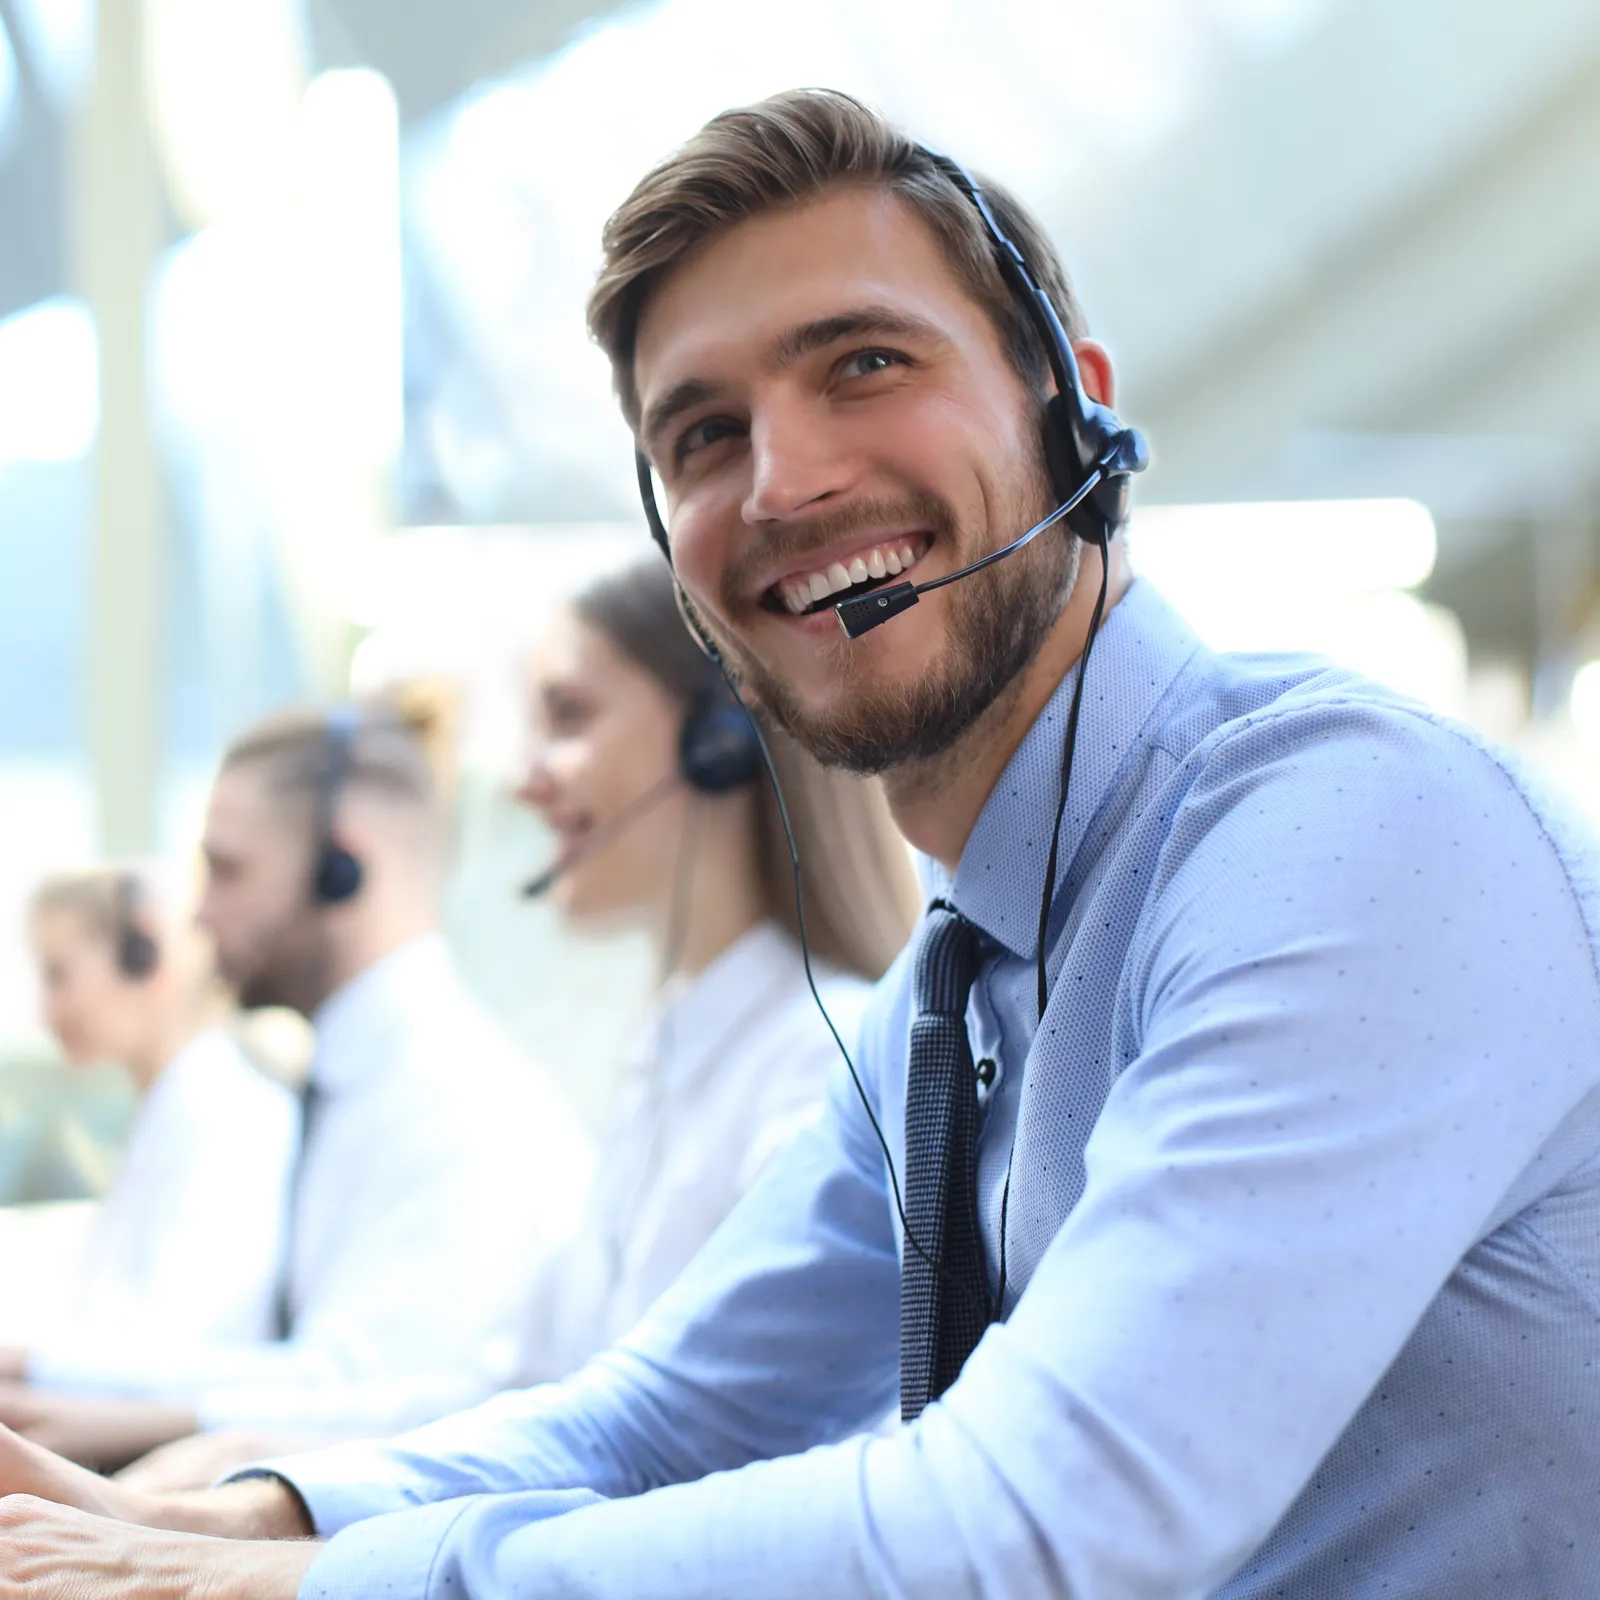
(438, 1166)
(188, 1241)
(648, 774)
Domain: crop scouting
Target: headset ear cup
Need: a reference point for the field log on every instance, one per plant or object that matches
(718, 751)
(137, 953)
(338, 876)
(1080, 434)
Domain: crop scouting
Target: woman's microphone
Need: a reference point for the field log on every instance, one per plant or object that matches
(602, 835)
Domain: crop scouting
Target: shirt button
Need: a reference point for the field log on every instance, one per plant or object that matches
(986, 1071)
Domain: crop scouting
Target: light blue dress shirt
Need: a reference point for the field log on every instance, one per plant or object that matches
(1303, 1237)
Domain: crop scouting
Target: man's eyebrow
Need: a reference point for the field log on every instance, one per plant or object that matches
(857, 322)
(789, 347)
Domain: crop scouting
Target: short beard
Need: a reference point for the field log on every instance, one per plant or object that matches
(292, 968)
(997, 620)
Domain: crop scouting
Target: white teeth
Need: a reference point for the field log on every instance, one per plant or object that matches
(803, 591)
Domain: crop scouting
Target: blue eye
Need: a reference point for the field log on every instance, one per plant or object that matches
(866, 362)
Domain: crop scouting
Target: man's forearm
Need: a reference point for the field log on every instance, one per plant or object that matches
(257, 1508)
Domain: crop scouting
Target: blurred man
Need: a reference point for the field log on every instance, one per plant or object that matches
(438, 1167)
(1223, 1193)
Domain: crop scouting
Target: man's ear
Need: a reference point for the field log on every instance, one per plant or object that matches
(1094, 367)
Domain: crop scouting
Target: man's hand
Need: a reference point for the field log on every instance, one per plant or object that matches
(260, 1508)
(98, 1433)
(13, 1363)
(53, 1552)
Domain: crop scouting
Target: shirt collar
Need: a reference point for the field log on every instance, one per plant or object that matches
(373, 1004)
(1141, 648)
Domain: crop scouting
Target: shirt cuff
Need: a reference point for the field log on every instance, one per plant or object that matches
(403, 1548)
(332, 1484)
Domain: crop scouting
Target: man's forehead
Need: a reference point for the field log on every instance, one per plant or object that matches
(739, 294)
(243, 807)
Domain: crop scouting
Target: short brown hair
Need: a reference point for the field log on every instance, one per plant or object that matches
(389, 751)
(786, 150)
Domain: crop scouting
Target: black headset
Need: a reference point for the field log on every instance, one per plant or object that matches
(718, 750)
(138, 955)
(336, 874)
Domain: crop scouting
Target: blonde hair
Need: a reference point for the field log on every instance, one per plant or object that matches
(860, 893)
(783, 151)
(103, 898)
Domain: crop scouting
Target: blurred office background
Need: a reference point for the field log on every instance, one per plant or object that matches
(295, 394)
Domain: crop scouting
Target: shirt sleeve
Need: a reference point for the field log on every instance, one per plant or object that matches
(1334, 1088)
(781, 1333)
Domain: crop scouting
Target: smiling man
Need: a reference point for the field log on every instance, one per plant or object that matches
(1251, 1196)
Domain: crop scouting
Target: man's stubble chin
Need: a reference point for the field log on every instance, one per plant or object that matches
(995, 624)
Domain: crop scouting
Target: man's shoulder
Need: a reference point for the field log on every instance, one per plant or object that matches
(1309, 728)
(1337, 764)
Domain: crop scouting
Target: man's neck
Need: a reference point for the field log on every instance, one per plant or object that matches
(936, 803)
(369, 945)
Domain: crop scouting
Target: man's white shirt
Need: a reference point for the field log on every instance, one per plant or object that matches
(441, 1171)
(190, 1234)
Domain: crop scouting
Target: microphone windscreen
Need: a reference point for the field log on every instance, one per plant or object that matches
(543, 884)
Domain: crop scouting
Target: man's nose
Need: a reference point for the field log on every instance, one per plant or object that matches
(799, 463)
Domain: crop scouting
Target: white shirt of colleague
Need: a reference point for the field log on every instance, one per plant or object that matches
(441, 1171)
(189, 1238)
(729, 1067)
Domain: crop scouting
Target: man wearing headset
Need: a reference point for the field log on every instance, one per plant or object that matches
(438, 1166)
(1246, 1126)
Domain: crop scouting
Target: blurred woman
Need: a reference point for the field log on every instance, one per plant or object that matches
(189, 1238)
(645, 771)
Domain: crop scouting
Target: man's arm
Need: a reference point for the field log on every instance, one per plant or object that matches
(258, 1508)
(1258, 1238)
(104, 1434)
(781, 1334)
(52, 1552)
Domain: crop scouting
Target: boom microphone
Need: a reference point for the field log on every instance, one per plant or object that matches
(602, 835)
(866, 611)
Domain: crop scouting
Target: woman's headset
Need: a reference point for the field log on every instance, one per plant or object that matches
(137, 953)
(718, 750)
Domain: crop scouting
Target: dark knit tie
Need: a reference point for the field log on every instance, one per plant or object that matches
(944, 1294)
(312, 1098)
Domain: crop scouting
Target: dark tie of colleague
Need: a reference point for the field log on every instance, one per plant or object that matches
(944, 1290)
(284, 1308)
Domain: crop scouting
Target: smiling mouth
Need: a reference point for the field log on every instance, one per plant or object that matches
(803, 594)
